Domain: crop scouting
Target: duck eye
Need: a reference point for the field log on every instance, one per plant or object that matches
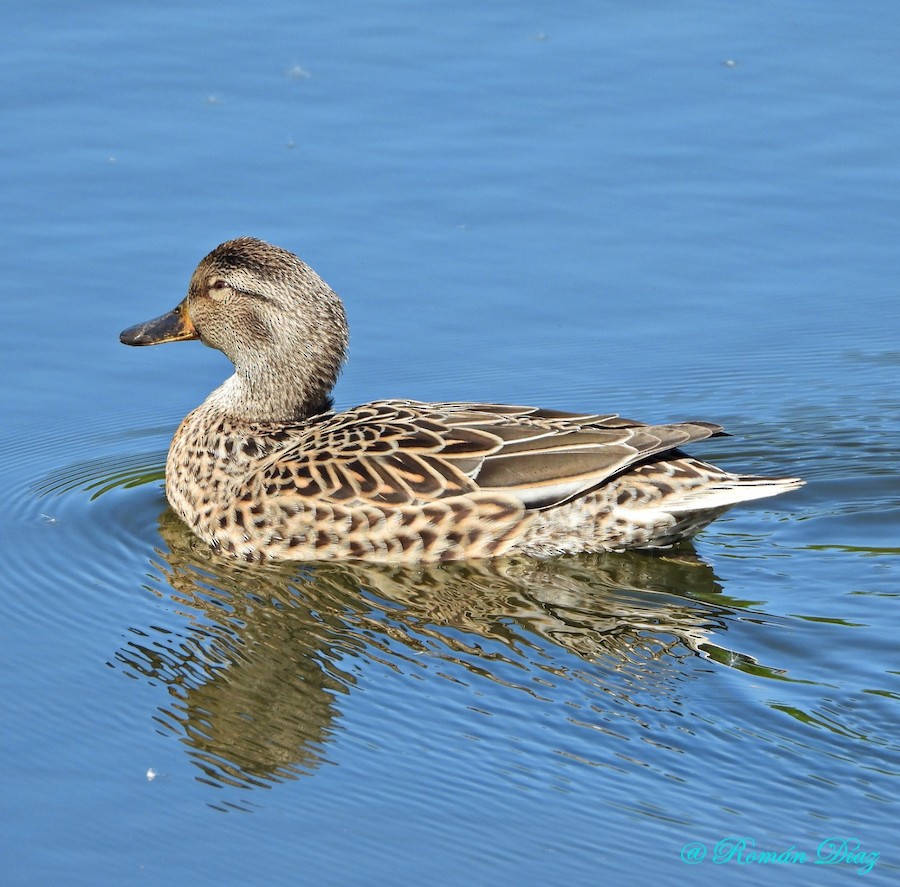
(217, 288)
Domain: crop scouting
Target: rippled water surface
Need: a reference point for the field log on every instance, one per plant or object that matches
(669, 211)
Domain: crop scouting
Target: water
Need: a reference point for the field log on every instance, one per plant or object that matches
(670, 212)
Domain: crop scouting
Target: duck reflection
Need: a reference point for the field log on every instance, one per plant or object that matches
(256, 676)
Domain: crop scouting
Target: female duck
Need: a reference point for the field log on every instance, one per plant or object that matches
(264, 470)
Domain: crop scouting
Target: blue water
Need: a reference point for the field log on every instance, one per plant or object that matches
(669, 211)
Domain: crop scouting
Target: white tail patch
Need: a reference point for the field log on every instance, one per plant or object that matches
(727, 492)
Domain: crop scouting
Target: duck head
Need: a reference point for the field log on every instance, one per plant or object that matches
(279, 323)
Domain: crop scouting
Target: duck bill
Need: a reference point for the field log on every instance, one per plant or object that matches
(176, 326)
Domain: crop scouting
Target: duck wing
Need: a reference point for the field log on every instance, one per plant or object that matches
(402, 452)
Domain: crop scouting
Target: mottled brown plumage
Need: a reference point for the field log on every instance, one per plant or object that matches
(263, 470)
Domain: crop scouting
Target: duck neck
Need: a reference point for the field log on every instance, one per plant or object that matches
(251, 399)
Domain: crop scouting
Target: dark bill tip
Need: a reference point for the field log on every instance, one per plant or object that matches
(176, 326)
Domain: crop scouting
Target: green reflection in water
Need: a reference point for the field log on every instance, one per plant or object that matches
(99, 476)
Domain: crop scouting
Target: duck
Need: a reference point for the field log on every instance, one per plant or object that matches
(266, 470)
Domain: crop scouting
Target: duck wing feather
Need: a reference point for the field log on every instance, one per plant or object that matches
(402, 452)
